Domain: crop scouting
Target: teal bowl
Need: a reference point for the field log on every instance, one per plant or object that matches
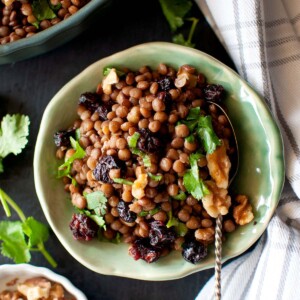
(260, 174)
(54, 36)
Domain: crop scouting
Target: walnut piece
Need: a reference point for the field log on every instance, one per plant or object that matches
(138, 187)
(109, 80)
(185, 78)
(218, 164)
(205, 235)
(217, 202)
(242, 213)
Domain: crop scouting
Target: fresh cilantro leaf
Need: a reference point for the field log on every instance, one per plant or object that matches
(151, 212)
(172, 221)
(192, 181)
(180, 40)
(13, 241)
(122, 181)
(77, 134)
(181, 196)
(207, 135)
(193, 114)
(99, 220)
(13, 135)
(155, 177)
(96, 201)
(175, 11)
(41, 10)
(190, 138)
(65, 168)
(107, 70)
(36, 231)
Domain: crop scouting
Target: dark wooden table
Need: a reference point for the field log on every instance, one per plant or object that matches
(27, 87)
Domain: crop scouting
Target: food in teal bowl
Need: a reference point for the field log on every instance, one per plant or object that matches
(137, 189)
(29, 28)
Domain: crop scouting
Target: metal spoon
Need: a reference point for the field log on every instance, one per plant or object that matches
(218, 231)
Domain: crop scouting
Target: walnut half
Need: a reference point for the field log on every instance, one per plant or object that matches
(242, 213)
(217, 202)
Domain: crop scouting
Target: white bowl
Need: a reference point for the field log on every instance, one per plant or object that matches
(26, 271)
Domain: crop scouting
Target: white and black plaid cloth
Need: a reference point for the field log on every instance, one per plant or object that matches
(263, 39)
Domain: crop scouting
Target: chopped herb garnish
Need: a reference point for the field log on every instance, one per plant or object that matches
(122, 181)
(107, 70)
(151, 212)
(192, 181)
(155, 177)
(132, 142)
(96, 201)
(207, 135)
(77, 134)
(42, 10)
(181, 196)
(65, 168)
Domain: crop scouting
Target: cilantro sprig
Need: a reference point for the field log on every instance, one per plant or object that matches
(14, 131)
(19, 238)
(96, 204)
(192, 181)
(201, 128)
(175, 12)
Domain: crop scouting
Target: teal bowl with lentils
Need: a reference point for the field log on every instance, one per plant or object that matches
(53, 36)
(260, 175)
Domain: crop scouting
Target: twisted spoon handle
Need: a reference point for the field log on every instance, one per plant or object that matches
(218, 257)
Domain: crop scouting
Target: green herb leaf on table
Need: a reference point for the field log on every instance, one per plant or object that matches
(192, 181)
(175, 11)
(13, 135)
(13, 244)
(13, 235)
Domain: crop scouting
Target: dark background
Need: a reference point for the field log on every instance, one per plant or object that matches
(27, 87)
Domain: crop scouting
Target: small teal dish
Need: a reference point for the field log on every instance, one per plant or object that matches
(260, 174)
(54, 36)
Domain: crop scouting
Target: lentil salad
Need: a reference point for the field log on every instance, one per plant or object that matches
(24, 18)
(148, 163)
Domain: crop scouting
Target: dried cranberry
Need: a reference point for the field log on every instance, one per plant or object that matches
(83, 227)
(90, 101)
(167, 99)
(149, 142)
(103, 109)
(166, 84)
(194, 251)
(62, 138)
(160, 235)
(213, 92)
(105, 164)
(142, 249)
(124, 213)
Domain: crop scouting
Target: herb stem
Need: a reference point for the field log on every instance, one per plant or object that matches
(192, 30)
(4, 204)
(47, 255)
(13, 204)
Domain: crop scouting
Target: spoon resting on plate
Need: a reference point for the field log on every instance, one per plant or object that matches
(218, 230)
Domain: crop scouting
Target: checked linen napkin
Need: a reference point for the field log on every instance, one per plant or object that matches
(263, 39)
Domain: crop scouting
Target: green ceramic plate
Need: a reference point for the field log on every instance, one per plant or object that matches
(54, 36)
(261, 172)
